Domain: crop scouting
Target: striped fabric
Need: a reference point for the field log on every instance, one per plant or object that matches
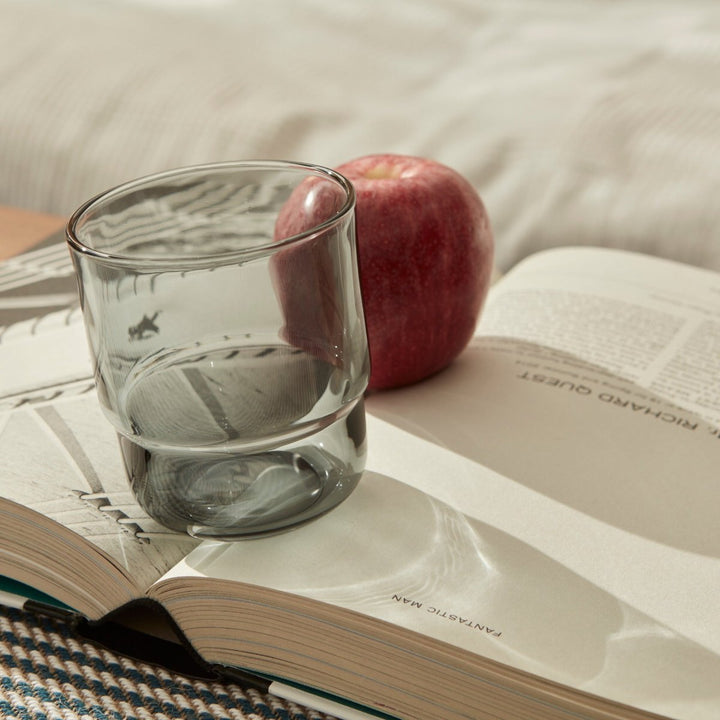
(49, 673)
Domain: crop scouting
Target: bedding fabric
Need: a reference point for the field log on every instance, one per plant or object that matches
(590, 122)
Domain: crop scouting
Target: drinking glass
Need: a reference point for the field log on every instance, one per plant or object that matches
(223, 315)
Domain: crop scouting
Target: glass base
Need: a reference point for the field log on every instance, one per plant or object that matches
(226, 496)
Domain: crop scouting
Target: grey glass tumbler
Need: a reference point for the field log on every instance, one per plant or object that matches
(223, 314)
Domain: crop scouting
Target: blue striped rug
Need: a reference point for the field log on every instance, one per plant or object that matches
(49, 673)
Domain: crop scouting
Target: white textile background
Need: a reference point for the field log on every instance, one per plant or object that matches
(594, 122)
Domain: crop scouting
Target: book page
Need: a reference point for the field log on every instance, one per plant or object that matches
(448, 548)
(60, 454)
(568, 479)
(653, 322)
(37, 282)
(596, 436)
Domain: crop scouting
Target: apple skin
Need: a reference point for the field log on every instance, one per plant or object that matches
(320, 303)
(425, 254)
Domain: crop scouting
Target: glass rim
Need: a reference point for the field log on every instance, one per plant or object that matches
(116, 191)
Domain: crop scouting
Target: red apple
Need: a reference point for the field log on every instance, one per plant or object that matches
(425, 254)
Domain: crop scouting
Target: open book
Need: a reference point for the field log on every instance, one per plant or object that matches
(535, 536)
